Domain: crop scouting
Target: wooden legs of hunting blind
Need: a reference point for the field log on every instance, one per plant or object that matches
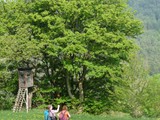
(22, 97)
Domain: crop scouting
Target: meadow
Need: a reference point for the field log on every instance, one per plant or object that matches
(37, 114)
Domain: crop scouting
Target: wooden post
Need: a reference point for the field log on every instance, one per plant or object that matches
(27, 99)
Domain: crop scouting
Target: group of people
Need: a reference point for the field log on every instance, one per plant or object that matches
(50, 113)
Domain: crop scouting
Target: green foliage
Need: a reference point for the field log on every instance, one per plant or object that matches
(72, 104)
(139, 94)
(6, 100)
(135, 82)
(73, 47)
(151, 97)
(94, 107)
(44, 96)
(16, 43)
(8, 84)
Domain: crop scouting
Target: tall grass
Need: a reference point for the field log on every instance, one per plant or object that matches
(37, 114)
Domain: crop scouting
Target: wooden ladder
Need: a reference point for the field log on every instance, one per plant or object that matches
(20, 99)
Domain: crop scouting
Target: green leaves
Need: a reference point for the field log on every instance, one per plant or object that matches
(74, 42)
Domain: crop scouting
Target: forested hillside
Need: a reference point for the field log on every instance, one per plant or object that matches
(148, 12)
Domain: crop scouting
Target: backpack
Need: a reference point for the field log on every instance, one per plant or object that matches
(62, 116)
(46, 115)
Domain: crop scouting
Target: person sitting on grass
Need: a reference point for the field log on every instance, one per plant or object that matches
(50, 114)
(64, 114)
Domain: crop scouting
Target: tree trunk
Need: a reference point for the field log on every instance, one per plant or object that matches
(81, 96)
(81, 93)
(68, 86)
(30, 95)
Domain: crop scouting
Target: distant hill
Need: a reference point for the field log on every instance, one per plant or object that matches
(148, 11)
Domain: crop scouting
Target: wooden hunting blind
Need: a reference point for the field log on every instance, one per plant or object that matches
(25, 77)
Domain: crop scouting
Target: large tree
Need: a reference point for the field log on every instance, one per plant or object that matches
(78, 46)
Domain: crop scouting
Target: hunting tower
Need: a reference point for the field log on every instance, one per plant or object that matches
(25, 79)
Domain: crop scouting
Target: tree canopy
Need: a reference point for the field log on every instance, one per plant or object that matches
(76, 48)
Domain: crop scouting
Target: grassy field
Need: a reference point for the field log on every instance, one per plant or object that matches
(38, 115)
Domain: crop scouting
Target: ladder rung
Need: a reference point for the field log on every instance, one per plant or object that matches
(19, 99)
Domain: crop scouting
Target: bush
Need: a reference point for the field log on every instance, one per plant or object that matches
(6, 100)
(151, 97)
(94, 107)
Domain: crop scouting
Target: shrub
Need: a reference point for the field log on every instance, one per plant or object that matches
(6, 100)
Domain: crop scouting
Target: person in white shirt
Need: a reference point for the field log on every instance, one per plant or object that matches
(52, 113)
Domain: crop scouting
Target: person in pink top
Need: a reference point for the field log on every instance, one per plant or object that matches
(52, 113)
(64, 114)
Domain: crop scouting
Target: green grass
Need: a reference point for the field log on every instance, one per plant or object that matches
(37, 114)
